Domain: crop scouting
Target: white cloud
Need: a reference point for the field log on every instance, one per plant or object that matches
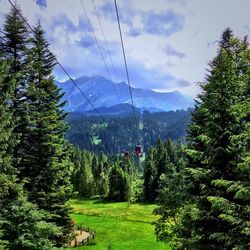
(195, 42)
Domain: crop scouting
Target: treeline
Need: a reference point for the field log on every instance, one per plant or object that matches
(114, 134)
(204, 195)
(119, 177)
(163, 169)
(34, 156)
(110, 177)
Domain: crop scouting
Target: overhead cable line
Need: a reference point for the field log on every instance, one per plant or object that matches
(61, 66)
(124, 57)
(104, 37)
(99, 48)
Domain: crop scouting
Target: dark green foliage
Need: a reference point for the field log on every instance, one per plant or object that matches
(9, 190)
(137, 192)
(119, 184)
(13, 47)
(164, 183)
(118, 133)
(24, 227)
(14, 41)
(33, 151)
(218, 152)
(109, 177)
(165, 160)
(82, 178)
(46, 165)
(150, 181)
(171, 199)
(97, 169)
(7, 142)
(90, 173)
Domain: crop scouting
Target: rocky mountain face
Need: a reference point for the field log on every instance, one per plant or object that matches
(107, 96)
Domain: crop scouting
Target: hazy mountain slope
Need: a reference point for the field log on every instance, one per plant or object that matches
(105, 94)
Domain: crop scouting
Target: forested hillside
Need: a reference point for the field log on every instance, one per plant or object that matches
(114, 134)
(106, 182)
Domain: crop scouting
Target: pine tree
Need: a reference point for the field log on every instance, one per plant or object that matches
(220, 189)
(95, 170)
(159, 161)
(82, 175)
(22, 226)
(149, 184)
(40, 154)
(172, 192)
(234, 208)
(8, 187)
(13, 47)
(9, 190)
(119, 184)
(104, 185)
(46, 165)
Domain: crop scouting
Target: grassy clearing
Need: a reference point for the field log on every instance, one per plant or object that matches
(100, 126)
(122, 225)
(96, 140)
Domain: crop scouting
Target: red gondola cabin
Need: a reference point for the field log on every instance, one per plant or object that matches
(138, 150)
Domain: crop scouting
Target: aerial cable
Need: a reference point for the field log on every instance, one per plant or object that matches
(124, 57)
(104, 37)
(61, 66)
(126, 67)
(99, 48)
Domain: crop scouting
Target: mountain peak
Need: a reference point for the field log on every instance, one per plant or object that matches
(104, 93)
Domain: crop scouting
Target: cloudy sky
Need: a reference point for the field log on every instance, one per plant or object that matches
(168, 43)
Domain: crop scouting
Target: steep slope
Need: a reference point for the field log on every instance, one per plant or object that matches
(105, 94)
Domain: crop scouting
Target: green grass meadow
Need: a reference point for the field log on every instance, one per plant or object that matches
(122, 225)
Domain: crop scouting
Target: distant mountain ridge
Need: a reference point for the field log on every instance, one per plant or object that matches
(109, 97)
(124, 108)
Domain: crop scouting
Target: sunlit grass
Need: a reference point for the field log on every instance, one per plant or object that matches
(96, 140)
(122, 225)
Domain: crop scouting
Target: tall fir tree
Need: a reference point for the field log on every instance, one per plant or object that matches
(46, 166)
(172, 192)
(149, 184)
(37, 146)
(13, 47)
(8, 187)
(159, 161)
(22, 226)
(82, 177)
(217, 168)
(234, 208)
(119, 184)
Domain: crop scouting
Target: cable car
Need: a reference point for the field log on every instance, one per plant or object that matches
(138, 150)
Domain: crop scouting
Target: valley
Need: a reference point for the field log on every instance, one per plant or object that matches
(128, 164)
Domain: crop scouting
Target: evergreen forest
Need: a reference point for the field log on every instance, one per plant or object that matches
(113, 134)
(186, 186)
